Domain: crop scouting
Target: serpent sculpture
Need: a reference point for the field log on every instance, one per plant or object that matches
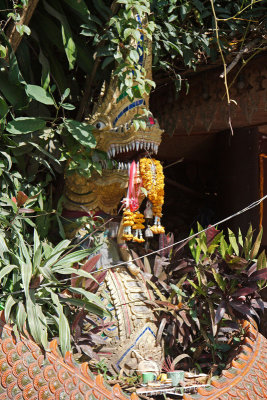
(133, 339)
(28, 372)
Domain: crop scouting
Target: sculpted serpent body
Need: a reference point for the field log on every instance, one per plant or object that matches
(28, 372)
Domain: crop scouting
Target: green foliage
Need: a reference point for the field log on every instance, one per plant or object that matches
(33, 276)
(200, 301)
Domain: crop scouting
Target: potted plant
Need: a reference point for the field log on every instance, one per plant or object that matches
(168, 366)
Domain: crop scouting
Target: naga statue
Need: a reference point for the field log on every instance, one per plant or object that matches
(28, 372)
(133, 339)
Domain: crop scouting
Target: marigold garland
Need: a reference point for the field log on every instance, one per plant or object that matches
(153, 181)
(151, 173)
(133, 220)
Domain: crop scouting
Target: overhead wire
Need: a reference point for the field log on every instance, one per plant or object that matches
(123, 263)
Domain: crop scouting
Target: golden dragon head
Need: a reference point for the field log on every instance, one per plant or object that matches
(115, 132)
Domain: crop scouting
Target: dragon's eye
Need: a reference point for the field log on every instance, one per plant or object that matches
(100, 125)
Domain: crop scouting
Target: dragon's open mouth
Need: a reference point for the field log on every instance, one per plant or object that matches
(122, 155)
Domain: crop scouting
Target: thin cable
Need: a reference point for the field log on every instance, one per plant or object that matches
(252, 205)
(249, 207)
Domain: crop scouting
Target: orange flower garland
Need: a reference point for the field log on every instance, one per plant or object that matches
(133, 221)
(151, 173)
(153, 181)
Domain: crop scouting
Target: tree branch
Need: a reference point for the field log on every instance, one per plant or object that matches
(245, 49)
(14, 37)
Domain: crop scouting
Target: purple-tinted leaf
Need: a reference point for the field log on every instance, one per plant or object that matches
(160, 330)
(254, 312)
(181, 265)
(261, 274)
(236, 263)
(89, 352)
(147, 276)
(164, 285)
(91, 285)
(137, 260)
(258, 303)
(241, 307)
(158, 268)
(252, 269)
(211, 233)
(246, 290)
(91, 263)
(75, 328)
(220, 312)
(21, 198)
(96, 339)
(180, 247)
(26, 210)
(185, 318)
(163, 242)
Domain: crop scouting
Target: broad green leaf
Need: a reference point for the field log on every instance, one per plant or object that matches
(22, 125)
(63, 325)
(20, 316)
(13, 93)
(261, 262)
(33, 318)
(36, 241)
(223, 247)
(68, 42)
(40, 148)
(65, 94)
(37, 257)
(8, 158)
(68, 270)
(248, 243)
(192, 244)
(233, 241)
(68, 106)
(73, 257)
(89, 306)
(26, 274)
(79, 7)
(6, 270)
(219, 280)
(177, 290)
(255, 248)
(8, 306)
(240, 238)
(3, 246)
(134, 56)
(54, 255)
(197, 254)
(89, 296)
(39, 94)
(24, 249)
(3, 107)
(198, 289)
(82, 132)
(127, 32)
(43, 326)
(45, 78)
(60, 247)
(3, 51)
